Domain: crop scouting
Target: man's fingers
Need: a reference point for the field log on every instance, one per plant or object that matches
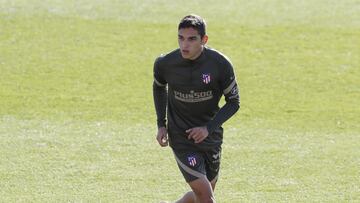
(193, 134)
(200, 139)
(197, 137)
(190, 131)
(159, 141)
(197, 134)
(163, 143)
(162, 140)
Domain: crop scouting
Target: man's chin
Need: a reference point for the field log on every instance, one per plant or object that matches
(185, 56)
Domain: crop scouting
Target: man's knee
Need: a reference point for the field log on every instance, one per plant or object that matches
(203, 190)
(207, 200)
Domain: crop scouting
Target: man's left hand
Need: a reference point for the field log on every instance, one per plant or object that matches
(198, 134)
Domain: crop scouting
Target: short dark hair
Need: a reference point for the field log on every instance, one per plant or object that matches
(194, 21)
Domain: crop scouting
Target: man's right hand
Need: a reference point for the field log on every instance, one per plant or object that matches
(162, 137)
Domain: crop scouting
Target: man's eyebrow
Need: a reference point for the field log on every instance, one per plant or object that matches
(191, 37)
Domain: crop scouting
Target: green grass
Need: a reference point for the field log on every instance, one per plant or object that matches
(77, 122)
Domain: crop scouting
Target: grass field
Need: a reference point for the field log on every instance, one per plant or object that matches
(77, 122)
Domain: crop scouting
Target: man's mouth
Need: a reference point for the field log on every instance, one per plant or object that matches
(185, 51)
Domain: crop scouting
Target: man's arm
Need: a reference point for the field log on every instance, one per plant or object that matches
(231, 106)
(160, 101)
(232, 98)
(229, 109)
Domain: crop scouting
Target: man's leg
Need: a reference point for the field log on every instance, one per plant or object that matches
(202, 191)
(188, 197)
(193, 167)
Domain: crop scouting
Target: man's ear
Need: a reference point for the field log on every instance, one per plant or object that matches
(204, 39)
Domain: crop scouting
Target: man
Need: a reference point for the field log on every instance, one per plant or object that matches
(188, 83)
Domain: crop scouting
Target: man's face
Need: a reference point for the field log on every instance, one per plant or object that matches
(190, 43)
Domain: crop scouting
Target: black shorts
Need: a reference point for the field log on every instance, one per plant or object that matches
(195, 164)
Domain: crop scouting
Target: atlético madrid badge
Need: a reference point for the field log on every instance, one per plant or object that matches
(206, 78)
(192, 160)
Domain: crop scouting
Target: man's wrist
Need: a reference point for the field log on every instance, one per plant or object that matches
(160, 125)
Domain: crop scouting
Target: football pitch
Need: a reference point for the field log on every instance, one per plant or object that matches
(77, 122)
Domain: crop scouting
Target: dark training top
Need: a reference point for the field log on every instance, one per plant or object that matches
(193, 94)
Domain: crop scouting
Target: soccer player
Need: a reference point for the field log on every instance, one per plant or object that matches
(188, 85)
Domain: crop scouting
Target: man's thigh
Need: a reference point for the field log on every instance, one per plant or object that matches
(191, 164)
(197, 164)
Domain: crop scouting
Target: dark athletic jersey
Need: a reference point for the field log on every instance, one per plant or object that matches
(194, 89)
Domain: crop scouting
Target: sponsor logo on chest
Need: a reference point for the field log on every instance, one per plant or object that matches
(193, 96)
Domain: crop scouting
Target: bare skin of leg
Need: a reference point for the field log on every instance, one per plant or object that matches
(202, 192)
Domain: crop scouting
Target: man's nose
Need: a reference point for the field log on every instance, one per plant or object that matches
(185, 44)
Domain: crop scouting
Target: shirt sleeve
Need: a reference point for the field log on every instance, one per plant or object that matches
(230, 90)
(229, 84)
(159, 95)
(158, 74)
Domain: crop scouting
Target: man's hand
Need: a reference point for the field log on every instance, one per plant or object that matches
(198, 133)
(162, 137)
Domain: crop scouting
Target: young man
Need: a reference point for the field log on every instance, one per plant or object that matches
(196, 77)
